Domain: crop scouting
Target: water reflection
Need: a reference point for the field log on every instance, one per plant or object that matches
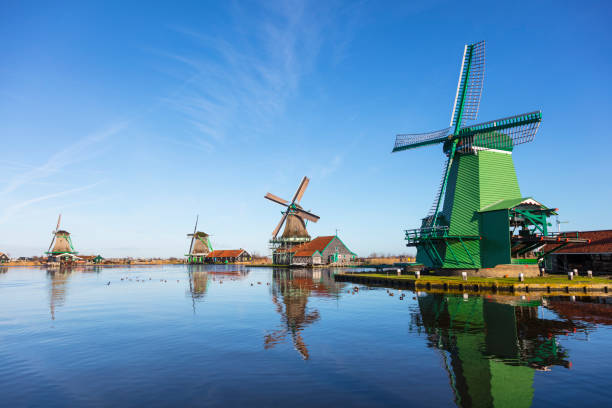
(590, 310)
(491, 347)
(198, 281)
(290, 292)
(199, 276)
(58, 279)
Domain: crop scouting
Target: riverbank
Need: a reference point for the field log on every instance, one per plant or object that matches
(546, 284)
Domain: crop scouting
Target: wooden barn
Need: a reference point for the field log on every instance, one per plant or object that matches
(228, 256)
(94, 259)
(595, 255)
(327, 250)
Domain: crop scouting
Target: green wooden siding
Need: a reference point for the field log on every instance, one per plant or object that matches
(497, 177)
(495, 244)
(476, 181)
(461, 202)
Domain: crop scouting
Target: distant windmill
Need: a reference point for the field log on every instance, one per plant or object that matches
(200, 244)
(61, 243)
(294, 214)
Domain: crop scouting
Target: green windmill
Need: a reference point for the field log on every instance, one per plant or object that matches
(479, 218)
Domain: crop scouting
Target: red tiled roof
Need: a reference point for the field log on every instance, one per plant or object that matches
(601, 242)
(309, 248)
(319, 243)
(225, 253)
(305, 252)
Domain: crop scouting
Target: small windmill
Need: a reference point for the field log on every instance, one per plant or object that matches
(61, 243)
(200, 244)
(294, 214)
(478, 173)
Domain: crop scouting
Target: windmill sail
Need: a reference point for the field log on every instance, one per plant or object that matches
(55, 232)
(469, 88)
(500, 134)
(294, 216)
(193, 235)
(300, 191)
(412, 141)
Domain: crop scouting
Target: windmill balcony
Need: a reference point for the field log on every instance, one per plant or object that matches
(418, 235)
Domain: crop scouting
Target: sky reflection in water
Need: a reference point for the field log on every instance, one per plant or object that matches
(228, 336)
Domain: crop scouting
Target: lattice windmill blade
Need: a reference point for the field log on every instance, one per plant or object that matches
(51, 244)
(412, 141)
(307, 215)
(59, 218)
(280, 224)
(194, 233)
(276, 199)
(500, 134)
(469, 88)
(300, 191)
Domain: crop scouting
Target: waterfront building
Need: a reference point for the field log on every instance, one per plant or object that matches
(596, 255)
(95, 259)
(3, 257)
(326, 250)
(228, 256)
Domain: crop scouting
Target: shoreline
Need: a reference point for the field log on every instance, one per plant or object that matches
(551, 284)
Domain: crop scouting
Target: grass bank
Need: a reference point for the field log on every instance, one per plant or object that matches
(548, 284)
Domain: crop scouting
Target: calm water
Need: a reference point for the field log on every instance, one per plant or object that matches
(229, 336)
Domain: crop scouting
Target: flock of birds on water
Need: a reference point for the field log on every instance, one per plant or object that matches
(402, 295)
(354, 290)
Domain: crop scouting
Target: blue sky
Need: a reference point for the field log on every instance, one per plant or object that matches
(130, 118)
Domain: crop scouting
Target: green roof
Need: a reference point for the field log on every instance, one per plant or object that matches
(510, 203)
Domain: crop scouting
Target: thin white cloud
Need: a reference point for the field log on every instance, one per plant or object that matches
(71, 154)
(15, 208)
(239, 83)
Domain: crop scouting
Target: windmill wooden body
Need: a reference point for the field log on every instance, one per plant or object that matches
(200, 246)
(61, 247)
(479, 219)
(294, 217)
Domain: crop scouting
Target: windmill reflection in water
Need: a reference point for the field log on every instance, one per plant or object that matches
(492, 346)
(290, 292)
(58, 284)
(199, 276)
